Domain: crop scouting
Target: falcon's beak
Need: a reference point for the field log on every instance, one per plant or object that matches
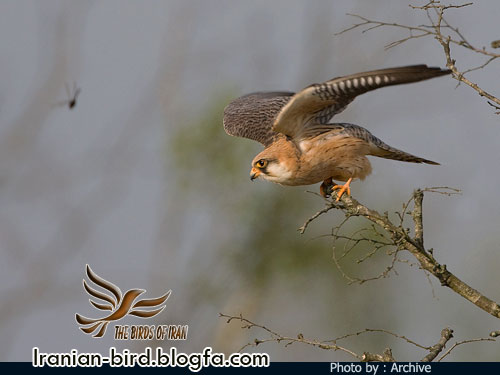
(254, 173)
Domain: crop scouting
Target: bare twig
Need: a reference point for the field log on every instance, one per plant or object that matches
(276, 337)
(353, 241)
(438, 24)
(446, 335)
(371, 330)
(418, 197)
(458, 343)
(378, 241)
(496, 107)
(444, 190)
(386, 356)
(303, 228)
(435, 4)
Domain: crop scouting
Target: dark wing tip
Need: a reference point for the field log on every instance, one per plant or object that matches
(438, 71)
(431, 162)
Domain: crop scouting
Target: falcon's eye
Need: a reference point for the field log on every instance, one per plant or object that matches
(262, 163)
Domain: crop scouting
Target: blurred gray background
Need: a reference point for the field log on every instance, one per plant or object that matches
(140, 181)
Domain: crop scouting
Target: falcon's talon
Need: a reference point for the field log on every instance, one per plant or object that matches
(342, 189)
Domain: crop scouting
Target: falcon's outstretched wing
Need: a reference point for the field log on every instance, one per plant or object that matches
(317, 104)
(252, 116)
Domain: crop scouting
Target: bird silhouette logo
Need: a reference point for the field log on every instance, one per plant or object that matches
(117, 304)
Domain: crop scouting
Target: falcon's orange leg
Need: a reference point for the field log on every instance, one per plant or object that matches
(342, 189)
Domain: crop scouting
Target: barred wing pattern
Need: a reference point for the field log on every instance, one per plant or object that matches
(318, 103)
(252, 116)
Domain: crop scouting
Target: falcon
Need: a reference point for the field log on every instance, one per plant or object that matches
(302, 145)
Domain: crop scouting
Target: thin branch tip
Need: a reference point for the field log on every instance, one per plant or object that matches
(441, 30)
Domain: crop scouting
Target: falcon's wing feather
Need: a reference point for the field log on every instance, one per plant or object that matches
(252, 116)
(378, 147)
(318, 103)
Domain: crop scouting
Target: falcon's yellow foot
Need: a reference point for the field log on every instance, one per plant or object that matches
(342, 189)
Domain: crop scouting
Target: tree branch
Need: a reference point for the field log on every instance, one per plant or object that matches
(446, 335)
(401, 239)
(418, 197)
(386, 356)
(458, 343)
(276, 337)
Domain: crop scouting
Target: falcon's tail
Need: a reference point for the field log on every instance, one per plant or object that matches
(387, 152)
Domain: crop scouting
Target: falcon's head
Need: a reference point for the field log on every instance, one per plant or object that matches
(277, 163)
